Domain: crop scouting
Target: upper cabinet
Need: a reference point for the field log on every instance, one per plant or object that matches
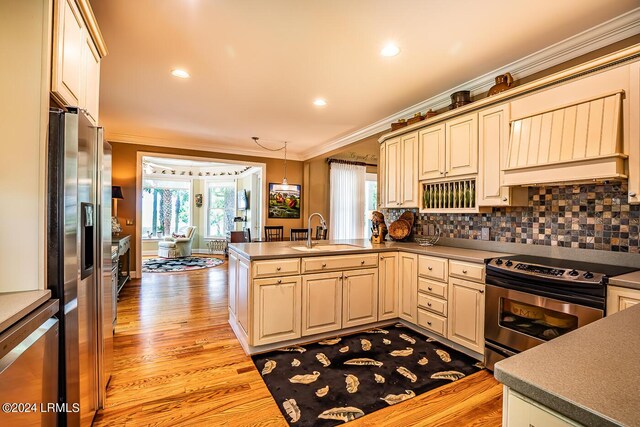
(432, 148)
(462, 146)
(401, 171)
(77, 50)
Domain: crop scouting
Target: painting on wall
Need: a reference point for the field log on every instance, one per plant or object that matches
(284, 201)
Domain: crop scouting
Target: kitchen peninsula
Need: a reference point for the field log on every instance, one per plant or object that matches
(283, 293)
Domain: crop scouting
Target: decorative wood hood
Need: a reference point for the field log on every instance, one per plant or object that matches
(578, 142)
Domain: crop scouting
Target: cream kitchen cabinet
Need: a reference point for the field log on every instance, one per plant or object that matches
(493, 143)
(243, 283)
(520, 411)
(77, 50)
(233, 282)
(408, 286)
(388, 294)
(466, 314)
(432, 149)
(382, 177)
(359, 297)
(433, 275)
(621, 298)
(401, 171)
(276, 309)
(462, 145)
(321, 303)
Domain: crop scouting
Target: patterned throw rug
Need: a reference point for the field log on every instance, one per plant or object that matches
(340, 379)
(171, 265)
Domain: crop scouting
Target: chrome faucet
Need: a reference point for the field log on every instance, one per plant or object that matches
(323, 224)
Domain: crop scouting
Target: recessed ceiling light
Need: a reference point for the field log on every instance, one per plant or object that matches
(319, 102)
(180, 73)
(390, 50)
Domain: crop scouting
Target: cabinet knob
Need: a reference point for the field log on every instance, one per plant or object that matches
(279, 281)
(504, 199)
(324, 265)
(481, 291)
(362, 262)
(430, 288)
(632, 194)
(428, 304)
(429, 323)
(429, 268)
(278, 268)
(464, 271)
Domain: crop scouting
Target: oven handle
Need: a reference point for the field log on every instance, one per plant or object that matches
(593, 302)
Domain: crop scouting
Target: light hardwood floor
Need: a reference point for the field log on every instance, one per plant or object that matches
(177, 362)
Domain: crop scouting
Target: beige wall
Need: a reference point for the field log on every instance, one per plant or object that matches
(124, 174)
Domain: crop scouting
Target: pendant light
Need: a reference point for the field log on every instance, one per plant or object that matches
(285, 184)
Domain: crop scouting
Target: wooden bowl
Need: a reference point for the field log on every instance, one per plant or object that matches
(400, 229)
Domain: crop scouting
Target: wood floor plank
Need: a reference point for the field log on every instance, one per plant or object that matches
(177, 363)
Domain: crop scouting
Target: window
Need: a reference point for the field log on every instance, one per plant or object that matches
(166, 207)
(371, 202)
(221, 207)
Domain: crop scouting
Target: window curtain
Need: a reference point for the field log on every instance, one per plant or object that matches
(347, 186)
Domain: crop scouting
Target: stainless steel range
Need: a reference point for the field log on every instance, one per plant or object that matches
(531, 300)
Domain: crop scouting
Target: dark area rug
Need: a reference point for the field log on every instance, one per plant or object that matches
(171, 265)
(338, 380)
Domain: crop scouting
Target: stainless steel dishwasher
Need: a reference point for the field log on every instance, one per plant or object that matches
(29, 369)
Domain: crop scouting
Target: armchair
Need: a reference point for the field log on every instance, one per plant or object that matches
(177, 247)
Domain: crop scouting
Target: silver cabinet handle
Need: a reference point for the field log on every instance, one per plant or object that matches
(429, 268)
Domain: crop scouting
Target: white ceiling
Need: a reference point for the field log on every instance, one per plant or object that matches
(256, 66)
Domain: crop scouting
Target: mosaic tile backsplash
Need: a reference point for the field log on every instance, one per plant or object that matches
(581, 216)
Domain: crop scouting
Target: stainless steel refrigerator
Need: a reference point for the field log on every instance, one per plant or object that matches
(79, 259)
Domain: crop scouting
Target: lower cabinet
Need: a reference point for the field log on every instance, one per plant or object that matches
(466, 314)
(276, 309)
(321, 303)
(621, 298)
(233, 281)
(408, 286)
(388, 286)
(520, 411)
(243, 282)
(359, 297)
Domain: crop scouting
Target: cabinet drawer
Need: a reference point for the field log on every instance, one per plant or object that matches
(432, 322)
(276, 267)
(335, 263)
(435, 305)
(432, 288)
(433, 268)
(467, 270)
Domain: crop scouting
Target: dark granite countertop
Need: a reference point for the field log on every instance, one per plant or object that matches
(590, 375)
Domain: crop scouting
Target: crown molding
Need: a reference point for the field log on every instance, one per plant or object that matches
(198, 145)
(609, 32)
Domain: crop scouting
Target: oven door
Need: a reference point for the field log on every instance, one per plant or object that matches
(518, 320)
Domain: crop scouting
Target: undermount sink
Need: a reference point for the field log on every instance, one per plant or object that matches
(323, 248)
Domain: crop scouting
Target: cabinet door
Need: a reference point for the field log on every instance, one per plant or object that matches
(634, 134)
(242, 294)
(233, 281)
(409, 171)
(392, 173)
(359, 297)
(388, 286)
(522, 413)
(431, 152)
(466, 314)
(462, 145)
(408, 286)
(69, 36)
(621, 298)
(91, 74)
(382, 177)
(493, 140)
(276, 309)
(321, 303)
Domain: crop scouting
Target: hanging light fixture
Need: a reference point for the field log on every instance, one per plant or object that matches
(285, 184)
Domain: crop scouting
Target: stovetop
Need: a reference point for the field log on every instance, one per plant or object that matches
(568, 273)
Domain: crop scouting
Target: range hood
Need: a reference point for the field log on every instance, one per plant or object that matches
(580, 142)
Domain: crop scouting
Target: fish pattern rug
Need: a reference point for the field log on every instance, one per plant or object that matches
(171, 265)
(337, 380)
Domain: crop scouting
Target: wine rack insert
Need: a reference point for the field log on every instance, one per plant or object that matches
(449, 196)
